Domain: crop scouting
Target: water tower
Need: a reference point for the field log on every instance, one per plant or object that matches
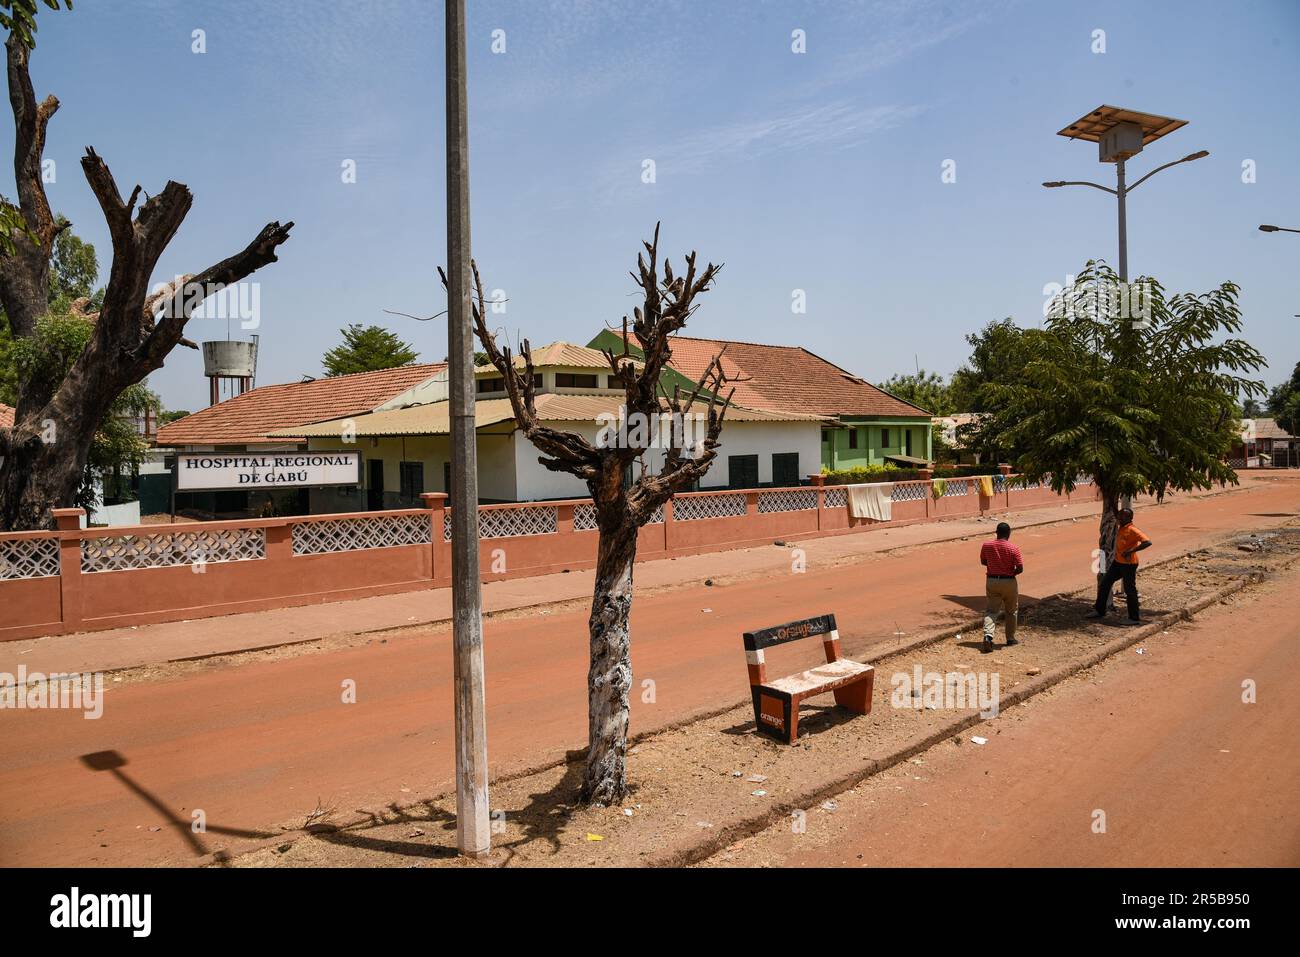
(231, 361)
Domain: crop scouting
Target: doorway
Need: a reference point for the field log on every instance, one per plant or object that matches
(374, 484)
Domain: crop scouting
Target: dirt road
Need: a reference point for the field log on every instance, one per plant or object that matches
(258, 745)
(1190, 775)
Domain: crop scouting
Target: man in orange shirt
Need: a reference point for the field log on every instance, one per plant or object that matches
(1129, 540)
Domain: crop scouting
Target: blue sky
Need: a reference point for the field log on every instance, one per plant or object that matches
(818, 171)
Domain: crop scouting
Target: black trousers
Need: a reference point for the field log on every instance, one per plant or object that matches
(1119, 571)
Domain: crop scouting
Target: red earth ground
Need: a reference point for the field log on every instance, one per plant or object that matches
(261, 744)
(1190, 775)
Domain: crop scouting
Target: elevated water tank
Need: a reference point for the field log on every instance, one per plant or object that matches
(229, 359)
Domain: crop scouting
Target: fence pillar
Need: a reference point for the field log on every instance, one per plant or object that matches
(279, 542)
(818, 483)
(669, 537)
(1005, 471)
(436, 503)
(927, 476)
(71, 597)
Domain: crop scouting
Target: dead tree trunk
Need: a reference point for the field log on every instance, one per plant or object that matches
(57, 416)
(622, 509)
(609, 677)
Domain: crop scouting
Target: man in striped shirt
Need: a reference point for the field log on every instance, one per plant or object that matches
(1003, 563)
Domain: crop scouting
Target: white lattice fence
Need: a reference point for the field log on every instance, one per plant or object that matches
(694, 508)
(909, 491)
(517, 520)
(787, 500)
(584, 517)
(353, 534)
(1084, 480)
(29, 558)
(956, 487)
(836, 497)
(165, 549)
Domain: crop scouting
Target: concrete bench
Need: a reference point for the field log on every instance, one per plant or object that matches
(776, 703)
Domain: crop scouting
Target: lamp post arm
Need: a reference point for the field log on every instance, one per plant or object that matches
(1104, 189)
(1185, 159)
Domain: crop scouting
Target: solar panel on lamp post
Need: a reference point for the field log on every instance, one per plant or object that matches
(1121, 134)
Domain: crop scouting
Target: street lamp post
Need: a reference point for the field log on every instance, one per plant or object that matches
(1277, 229)
(473, 834)
(1120, 134)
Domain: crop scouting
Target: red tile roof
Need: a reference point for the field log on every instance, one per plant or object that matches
(6, 416)
(788, 378)
(251, 417)
(1264, 429)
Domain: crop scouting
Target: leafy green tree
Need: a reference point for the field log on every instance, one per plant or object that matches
(117, 448)
(928, 390)
(1141, 407)
(367, 349)
(993, 349)
(74, 271)
(1284, 402)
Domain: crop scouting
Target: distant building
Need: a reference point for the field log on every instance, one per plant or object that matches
(865, 424)
(398, 423)
(1262, 442)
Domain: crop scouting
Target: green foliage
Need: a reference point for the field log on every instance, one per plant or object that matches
(1284, 402)
(171, 415)
(19, 17)
(1139, 409)
(48, 354)
(74, 269)
(924, 389)
(993, 349)
(11, 221)
(864, 473)
(367, 349)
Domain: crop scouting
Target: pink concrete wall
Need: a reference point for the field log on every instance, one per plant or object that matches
(77, 601)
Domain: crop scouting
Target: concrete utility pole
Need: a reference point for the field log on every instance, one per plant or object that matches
(473, 830)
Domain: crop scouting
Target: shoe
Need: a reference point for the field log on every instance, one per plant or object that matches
(987, 647)
(1133, 621)
(1012, 641)
(1094, 614)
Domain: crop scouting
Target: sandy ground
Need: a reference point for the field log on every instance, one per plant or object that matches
(260, 745)
(695, 779)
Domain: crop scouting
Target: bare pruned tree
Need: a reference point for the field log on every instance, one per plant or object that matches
(59, 411)
(622, 506)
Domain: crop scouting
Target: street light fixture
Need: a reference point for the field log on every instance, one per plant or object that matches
(1277, 229)
(1121, 134)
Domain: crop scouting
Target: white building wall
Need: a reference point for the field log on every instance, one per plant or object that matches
(535, 481)
(766, 439)
(738, 438)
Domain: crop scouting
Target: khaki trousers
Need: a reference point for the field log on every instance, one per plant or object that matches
(1003, 594)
